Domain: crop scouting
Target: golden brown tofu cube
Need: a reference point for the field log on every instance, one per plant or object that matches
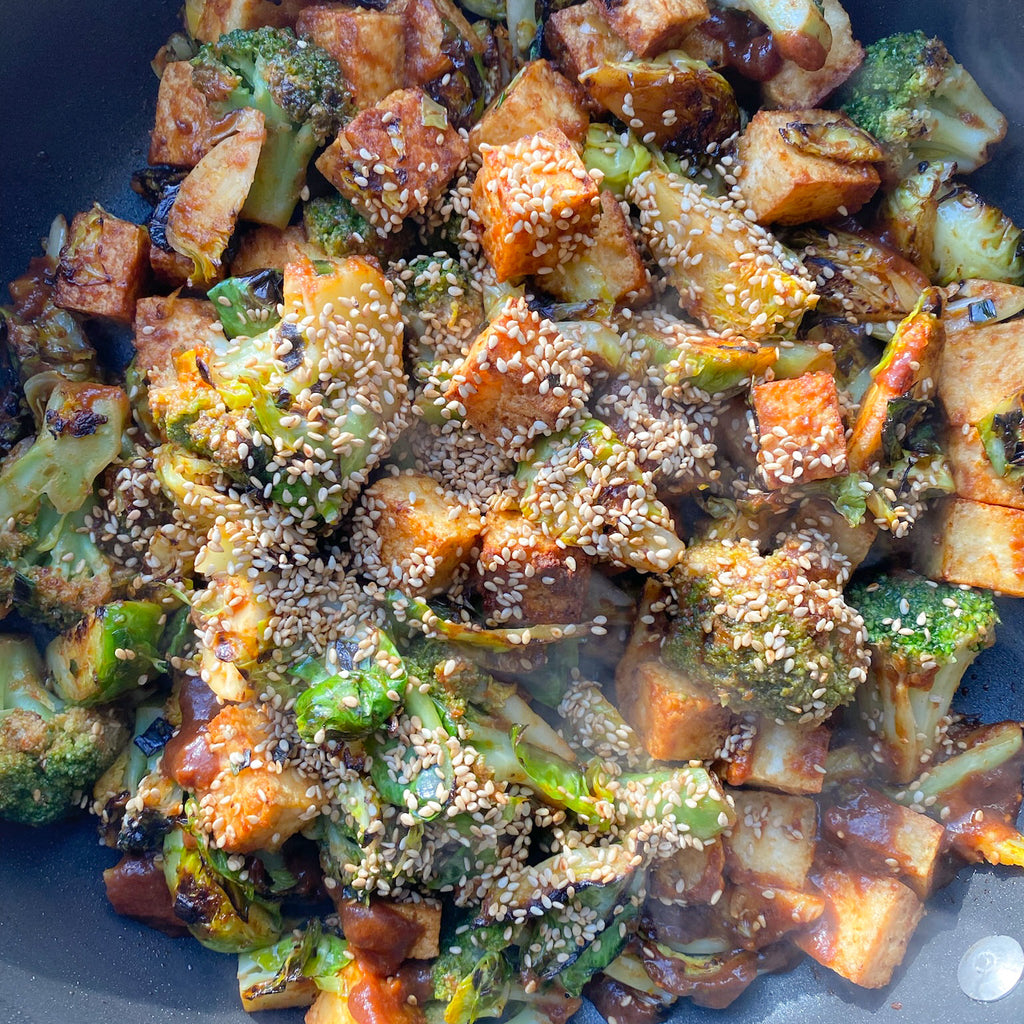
(762, 916)
(863, 935)
(368, 45)
(886, 838)
(518, 379)
(773, 840)
(579, 37)
(788, 757)
(977, 544)
(800, 429)
(973, 473)
(208, 20)
(675, 719)
(793, 87)
(689, 876)
(786, 185)
(409, 533)
(184, 130)
(537, 98)
(170, 268)
(609, 270)
(419, 922)
(423, 917)
(981, 368)
(525, 577)
(103, 267)
(393, 158)
(424, 32)
(261, 246)
(250, 803)
(165, 325)
(535, 202)
(653, 26)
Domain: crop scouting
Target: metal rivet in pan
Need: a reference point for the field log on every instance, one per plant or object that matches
(991, 968)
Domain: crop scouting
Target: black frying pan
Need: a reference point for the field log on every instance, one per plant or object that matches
(76, 103)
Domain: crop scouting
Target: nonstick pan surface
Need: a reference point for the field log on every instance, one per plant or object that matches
(76, 104)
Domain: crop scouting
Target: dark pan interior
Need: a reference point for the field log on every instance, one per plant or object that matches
(76, 101)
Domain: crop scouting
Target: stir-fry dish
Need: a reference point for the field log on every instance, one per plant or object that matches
(565, 463)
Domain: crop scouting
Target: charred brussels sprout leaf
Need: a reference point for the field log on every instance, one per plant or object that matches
(247, 305)
(348, 700)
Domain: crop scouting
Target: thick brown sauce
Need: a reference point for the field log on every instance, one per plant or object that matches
(187, 758)
(749, 47)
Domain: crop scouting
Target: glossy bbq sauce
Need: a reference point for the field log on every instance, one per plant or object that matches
(749, 47)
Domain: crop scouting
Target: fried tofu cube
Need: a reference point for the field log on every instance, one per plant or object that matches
(886, 837)
(408, 532)
(863, 935)
(423, 36)
(973, 474)
(525, 578)
(786, 185)
(793, 87)
(261, 246)
(981, 368)
(537, 98)
(372, 926)
(368, 45)
(246, 805)
(783, 756)
(675, 719)
(763, 916)
(773, 840)
(651, 27)
(610, 270)
(690, 876)
(973, 471)
(424, 918)
(800, 429)
(977, 544)
(184, 130)
(579, 37)
(393, 158)
(535, 202)
(519, 378)
(165, 325)
(103, 267)
(169, 268)
(208, 20)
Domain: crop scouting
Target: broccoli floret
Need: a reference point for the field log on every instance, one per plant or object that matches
(299, 89)
(49, 566)
(739, 631)
(914, 97)
(335, 225)
(49, 754)
(923, 635)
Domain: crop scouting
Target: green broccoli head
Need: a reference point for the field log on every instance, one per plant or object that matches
(919, 623)
(922, 636)
(335, 225)
(913, 96)
(49, 754)
(301, 92)
(770, 634)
